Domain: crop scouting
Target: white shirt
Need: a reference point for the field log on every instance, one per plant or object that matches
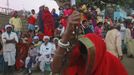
(47, 49)
(122, 31)
(113, 42)
(9, 46)
(128, 36)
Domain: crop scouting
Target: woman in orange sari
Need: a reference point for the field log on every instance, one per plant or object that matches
(88, 55)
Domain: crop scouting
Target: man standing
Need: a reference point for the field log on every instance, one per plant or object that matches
(39, 18)
(56, 17)
(9, 40)
(128, 40)
(16, 22)
(113, 41)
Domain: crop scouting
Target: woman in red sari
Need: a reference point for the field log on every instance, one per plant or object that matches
(48, 20)
(87, 57)
(22, 51)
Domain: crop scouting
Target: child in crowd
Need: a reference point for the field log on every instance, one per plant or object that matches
(36, 41)
(31, 59)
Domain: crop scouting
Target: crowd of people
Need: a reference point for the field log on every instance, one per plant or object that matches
(35, 48)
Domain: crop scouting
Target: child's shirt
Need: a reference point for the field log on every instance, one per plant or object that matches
(33, 52)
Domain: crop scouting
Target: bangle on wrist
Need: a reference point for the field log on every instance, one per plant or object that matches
(63, 45)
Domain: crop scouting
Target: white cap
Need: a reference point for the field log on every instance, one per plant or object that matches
(36, 26)
(36, 37)
(7, 26)
(46, 37)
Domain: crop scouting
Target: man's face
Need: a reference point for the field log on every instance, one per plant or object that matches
(33, 12)
(9, 29)
(46, 40)
(36, 40)
(15, 14)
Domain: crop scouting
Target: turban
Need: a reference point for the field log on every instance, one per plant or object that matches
(36, 37)
(7, 26)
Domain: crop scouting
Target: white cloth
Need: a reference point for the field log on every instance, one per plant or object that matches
(129, 41)
(9, 57)
(9, 49)
(113, 42)
(9, 46)
(46, 51)
(36, 37)
(122, 31)
(128, 36)
(62, 31)
(73, 2)
(43, 61)
(27, 61)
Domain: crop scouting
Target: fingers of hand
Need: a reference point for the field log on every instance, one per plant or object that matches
(74, 19)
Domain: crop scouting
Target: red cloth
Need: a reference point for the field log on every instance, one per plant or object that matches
(63, 22)
(22, 51)
(32, 20)
(48, 20)
(67, 13)
(98, 31)
(104, 64)
(41, 36)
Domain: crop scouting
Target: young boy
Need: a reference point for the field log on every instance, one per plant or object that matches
(31, 58)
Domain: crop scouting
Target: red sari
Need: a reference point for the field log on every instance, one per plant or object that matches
(22, 54)
(98, 62)
(48, 20)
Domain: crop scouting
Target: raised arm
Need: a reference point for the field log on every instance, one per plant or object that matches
(73, 21)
